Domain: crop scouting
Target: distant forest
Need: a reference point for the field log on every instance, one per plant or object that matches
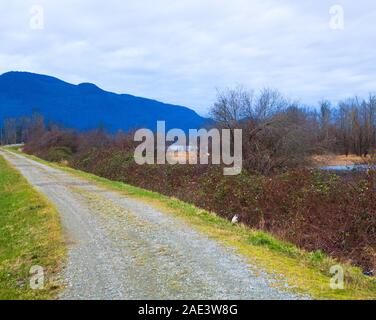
(277, 132)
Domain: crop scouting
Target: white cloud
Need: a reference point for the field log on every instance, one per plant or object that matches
(180, 51)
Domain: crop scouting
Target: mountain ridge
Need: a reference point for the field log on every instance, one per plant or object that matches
(86, 106)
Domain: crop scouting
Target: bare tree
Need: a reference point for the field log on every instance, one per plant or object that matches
(268, 103)
(232, 106)
(273, 127)
(10, 131)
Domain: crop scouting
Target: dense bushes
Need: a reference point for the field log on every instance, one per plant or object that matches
(314, 210)
(58, 154)
(54, 144)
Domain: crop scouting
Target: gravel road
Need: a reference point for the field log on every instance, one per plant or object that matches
(120, 248)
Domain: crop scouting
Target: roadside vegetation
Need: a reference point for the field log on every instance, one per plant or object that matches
(30, 235)
(278, 193)
(315, 210)
(306, 272)
(312, 209)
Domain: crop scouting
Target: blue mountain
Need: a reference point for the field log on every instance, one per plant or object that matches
(85, 106)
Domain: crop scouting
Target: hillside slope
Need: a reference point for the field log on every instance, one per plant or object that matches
(85, 106)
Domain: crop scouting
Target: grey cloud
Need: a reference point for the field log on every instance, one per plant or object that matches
(181, 51)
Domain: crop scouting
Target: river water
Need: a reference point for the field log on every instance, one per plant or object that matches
(354, 167)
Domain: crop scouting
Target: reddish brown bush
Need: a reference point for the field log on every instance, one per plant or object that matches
(314, 210)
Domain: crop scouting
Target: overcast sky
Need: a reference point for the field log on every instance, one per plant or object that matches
(180, 51)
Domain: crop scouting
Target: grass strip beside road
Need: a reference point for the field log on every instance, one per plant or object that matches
(30, 235)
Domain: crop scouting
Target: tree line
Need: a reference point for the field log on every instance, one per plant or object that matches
(22, 129)
(277, 132)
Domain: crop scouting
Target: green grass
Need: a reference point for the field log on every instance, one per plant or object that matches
(30, 235)
(306, 272)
